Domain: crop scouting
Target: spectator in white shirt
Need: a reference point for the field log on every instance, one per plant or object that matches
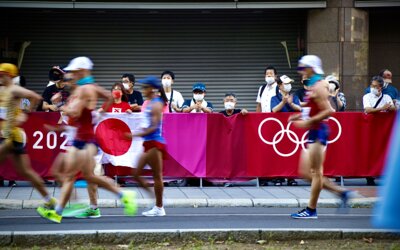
(175, 98)
(267, 91)
(376, 101)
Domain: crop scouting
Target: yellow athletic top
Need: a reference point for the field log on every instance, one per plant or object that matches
(9, 111)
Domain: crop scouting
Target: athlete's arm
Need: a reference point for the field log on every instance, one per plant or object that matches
(156, 114)
(104, 94)
(21, 92)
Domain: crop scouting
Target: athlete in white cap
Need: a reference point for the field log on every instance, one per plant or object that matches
(313, 117)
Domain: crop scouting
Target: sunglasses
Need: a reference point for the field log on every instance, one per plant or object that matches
(302, 68)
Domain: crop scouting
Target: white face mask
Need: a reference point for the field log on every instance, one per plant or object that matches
(126, 85)
(229, 105)
(375, 91)
(332, 87)
(269, 80)
(166, 82)
(15, 80)
(198, 97)
(385, 84)
(287, 87)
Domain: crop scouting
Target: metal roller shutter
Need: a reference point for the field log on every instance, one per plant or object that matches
(226, 49)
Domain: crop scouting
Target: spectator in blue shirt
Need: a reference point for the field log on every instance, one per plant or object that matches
(284, 101)
(388, 88)
(197, 104)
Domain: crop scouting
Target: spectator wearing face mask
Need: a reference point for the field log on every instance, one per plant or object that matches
(336, 98)
(135, 98)
(120, 100)
(376, 100)
(284, 101)
(230, 101)
(267, 91)
(56, 86)
(198, 104)
(388, 88)
(175, 98)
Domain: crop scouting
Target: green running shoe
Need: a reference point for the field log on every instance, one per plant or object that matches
(73, 210)
(129, 201)
(49, 214)
(51, 204)
(89, 213)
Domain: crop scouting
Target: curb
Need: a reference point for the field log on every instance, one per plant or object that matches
(186, 203)
(42, 238)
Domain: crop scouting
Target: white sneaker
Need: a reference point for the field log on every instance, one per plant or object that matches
(155, 211)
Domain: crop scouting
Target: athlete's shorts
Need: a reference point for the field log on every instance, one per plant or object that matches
(319, 135)
(158, 145)
(17, 147)
(81, 144)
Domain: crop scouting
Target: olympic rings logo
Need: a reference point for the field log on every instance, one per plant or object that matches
(292, 136)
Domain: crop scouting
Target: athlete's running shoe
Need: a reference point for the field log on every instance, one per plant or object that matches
(305, 214)
(346, 196)
(155, 211)
(51, 204)
(49, 214)
(89, 213)
(129, 201)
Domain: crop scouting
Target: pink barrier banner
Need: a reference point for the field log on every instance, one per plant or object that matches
(255, 145)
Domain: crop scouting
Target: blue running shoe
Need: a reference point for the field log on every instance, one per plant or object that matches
(305, 214)
(346, 196)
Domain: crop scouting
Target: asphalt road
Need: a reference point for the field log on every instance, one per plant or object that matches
(191, 218)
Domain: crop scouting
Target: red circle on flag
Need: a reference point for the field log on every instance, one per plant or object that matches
(110, 134)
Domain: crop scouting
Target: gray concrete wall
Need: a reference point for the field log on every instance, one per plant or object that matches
(339, 34)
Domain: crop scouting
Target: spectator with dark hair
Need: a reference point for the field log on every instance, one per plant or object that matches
(267, 91)
(336, 98)
(388, 88)
(175, 98)
(197, 104)
(376, 100)
(135, 98)
(230, 102)
(55, 95)
(301, 93)
(284, 101)
(120, 100)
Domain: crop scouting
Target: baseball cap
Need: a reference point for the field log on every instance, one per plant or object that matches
(152, 81)
(313, 62)
(81, 62)
(285, 79)
(9, 68)
(199, 86)
(56, 74)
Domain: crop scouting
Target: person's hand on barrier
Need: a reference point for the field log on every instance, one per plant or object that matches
(53, 107)
(129, 111)
(56, 98)
(54, 128)
(244, 112)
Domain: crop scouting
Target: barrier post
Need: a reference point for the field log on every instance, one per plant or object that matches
(201, 182)
(341, 181)
(258, 183)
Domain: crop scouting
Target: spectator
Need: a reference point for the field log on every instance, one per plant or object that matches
(388, 88)
(25, 104)
(135, 98)
(376, 100)
(283, 101)
(336, 98)
(301, 93)
(51, 101)
(175, 99)
(230, 101)
(198, 104)
(267, 91)
(120, 100)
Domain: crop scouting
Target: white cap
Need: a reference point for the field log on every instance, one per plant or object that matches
(314, 62)
(332, 78)
(81, 62)
(285, 79)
